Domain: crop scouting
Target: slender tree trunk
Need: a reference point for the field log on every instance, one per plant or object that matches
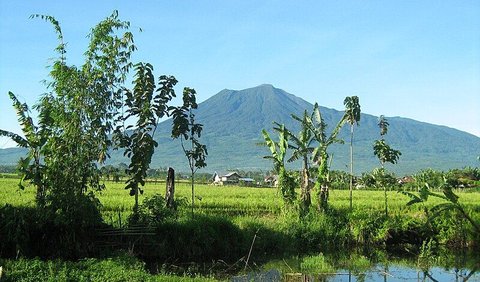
(322, 184)
(193, 193)
(135, 207)
(385, 192)
(351, 167)
(306, 199)
(170, 189)
(324, 197)
(386, 201)
(192, 168)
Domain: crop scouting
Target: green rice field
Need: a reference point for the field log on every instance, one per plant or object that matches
(264, 204)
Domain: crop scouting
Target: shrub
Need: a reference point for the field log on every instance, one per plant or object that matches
(153, 211)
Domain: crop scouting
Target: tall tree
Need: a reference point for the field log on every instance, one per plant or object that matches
(185, 127)
(147, 108)
(352, 116)
(76, 115)
(385, 154)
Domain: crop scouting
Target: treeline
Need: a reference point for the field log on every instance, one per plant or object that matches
(468, 177)
(118, 173)
(8, 169)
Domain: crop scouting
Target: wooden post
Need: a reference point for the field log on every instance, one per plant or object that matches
(170, 189)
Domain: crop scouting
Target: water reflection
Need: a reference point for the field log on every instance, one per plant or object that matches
(354, 267)
(394, 273)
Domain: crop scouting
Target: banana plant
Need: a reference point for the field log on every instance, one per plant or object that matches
(34, 140)
(278, 151)
(451, 202)
(302, 149)
(320, 155)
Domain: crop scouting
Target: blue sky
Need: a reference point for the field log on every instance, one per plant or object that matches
(415, 59)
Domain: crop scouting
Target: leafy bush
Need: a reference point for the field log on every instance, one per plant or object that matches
(316, 232)
(154, 211)
(367, 228)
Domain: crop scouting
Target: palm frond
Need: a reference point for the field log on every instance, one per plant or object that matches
(295, 156)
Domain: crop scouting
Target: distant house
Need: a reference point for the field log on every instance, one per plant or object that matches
(271, 180)
(226, 178)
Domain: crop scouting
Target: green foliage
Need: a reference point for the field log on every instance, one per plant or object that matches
(383, 125)
(352, 110)
(312, 131)
(339, 179)
(367, 180)
(430, 177)
(466, 177)
(385, 154)
(381, 149)
(368, 228)
(247, 209)
(202, 238)
(426, 256)
(184, 126)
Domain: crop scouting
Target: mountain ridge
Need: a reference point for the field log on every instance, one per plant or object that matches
(233, 120)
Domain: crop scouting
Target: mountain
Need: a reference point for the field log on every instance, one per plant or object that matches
(233, 121)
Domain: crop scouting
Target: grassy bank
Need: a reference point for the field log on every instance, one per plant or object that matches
(120, 268)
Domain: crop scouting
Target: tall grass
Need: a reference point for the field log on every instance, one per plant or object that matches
(121, 268)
